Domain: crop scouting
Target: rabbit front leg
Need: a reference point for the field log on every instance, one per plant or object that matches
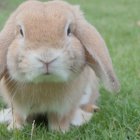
(58, 122)
(17, 121)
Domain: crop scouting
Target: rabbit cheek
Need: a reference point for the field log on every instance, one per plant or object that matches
(19, 66)
(12, 61)
(74, 63)
(77, 58)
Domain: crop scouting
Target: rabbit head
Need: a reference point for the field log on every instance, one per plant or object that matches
(53, 39)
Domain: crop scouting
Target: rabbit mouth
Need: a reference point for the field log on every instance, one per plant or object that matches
(48, 77)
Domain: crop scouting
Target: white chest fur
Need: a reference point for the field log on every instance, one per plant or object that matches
(45, 97)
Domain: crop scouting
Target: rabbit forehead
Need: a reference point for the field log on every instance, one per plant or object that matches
(45, 22)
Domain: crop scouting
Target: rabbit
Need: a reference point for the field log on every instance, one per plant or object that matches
(51, 61)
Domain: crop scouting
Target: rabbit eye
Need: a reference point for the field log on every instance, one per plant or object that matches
(21, 32)
(68, 31)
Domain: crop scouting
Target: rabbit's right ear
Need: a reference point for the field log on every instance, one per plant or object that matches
(7, 35)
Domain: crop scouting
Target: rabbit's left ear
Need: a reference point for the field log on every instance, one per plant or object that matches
(7, 35)
(97, 53)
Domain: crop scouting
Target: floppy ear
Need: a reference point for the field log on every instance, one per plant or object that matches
(7, 35)
(96, 51)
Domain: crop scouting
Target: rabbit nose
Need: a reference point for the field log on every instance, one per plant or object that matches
(46, 64)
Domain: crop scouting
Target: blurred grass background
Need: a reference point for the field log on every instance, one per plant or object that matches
(119, 119)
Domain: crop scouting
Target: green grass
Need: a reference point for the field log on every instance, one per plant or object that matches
(119, 117)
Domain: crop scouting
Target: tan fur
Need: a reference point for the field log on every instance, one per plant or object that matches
(89, 108)
(44, 39)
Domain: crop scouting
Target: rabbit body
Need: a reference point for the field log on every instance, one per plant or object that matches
(59, 101)
(53, 57)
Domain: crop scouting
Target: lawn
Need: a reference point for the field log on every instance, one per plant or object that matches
(119, 117)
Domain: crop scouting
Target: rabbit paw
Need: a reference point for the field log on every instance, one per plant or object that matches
(58, 123)
(13, 126)
(6, 115)
(81, 117)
